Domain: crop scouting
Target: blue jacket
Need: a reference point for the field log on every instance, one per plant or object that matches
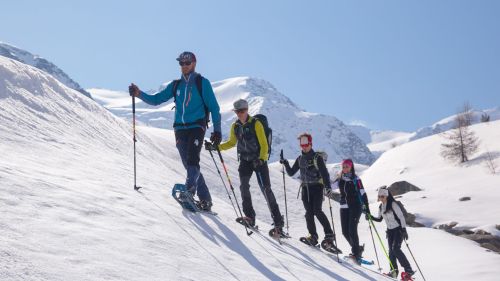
(189, 105)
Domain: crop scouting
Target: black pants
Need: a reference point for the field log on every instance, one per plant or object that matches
(395, 238)
(246, 170)
(312, 197)
(349, 218)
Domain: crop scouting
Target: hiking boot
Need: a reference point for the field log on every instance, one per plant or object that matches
(406, 276)
(247, 220)
(330, 236)
(361, 250)
(205, 205)
(312, 239)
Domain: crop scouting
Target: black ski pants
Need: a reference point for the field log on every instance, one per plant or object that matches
(349, 219)
(312, 198)
(246, 170)
(395, 238)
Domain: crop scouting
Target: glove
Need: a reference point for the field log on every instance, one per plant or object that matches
(133, 90)
(258, 163)
(328, 192)
(404, 234)
(216, 138)
(283, 161)
(210, 146)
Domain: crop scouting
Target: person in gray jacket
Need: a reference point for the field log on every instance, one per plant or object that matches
(391, 212)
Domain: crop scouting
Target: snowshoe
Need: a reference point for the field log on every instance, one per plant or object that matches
(277, 234)
(204, 205)
(248, 222)
(328, 245)
(311, 240)
(358, 261)
(184, 197)
(392, 274)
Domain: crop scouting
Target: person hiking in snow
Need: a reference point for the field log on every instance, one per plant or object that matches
(390, 211)
(247, 133)
(194, 100)
(353, 202)
(314, 181)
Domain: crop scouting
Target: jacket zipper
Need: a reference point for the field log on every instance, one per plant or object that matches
(184, 102)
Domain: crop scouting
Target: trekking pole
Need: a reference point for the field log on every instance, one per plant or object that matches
(135, 140)
(284, 190)
(223, 182)
(381, 243)
(333, 228)
(374, 247)
(232, 189)
(407, 246)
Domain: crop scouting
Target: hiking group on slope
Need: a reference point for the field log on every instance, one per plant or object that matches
(195, 101)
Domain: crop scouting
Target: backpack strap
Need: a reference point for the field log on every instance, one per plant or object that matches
(394, 213)
(198, 83)
(174, 89)
(315, 160)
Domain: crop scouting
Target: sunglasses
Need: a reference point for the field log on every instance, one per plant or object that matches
(240, 111)
(183, 63)
(381, 196)
(346, 166)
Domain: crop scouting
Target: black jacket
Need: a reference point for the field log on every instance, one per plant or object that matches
(309, 173)
(351, 195)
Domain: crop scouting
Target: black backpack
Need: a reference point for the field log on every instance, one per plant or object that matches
(268, 131)
(198, 80)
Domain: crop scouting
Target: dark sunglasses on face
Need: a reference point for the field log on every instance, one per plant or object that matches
(183, 63)
(381, 196)
(239, 111)
(345, 167)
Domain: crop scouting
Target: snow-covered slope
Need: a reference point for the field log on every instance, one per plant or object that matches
(69, 211)
(449, 122)
(286, 119)
(26, 57)
(443, 182)
(381, 141)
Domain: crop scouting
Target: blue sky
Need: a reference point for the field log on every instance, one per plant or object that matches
(393, 64)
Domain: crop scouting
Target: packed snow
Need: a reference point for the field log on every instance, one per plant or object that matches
(69, 211)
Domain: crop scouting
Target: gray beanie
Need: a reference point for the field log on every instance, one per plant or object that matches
(240, 104)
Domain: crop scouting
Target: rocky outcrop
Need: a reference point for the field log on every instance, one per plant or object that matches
(402, 187)
(483, 238)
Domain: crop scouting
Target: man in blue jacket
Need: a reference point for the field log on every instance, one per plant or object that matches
(194, 101)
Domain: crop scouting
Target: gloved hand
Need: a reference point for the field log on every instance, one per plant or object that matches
(216, 138)
(258, 163)
(328, 192)
(404, 234)
(282, 159)
(210, 146)
(133, 90)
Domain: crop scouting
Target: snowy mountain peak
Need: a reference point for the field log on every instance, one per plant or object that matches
(286, 119)
(26, 57)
